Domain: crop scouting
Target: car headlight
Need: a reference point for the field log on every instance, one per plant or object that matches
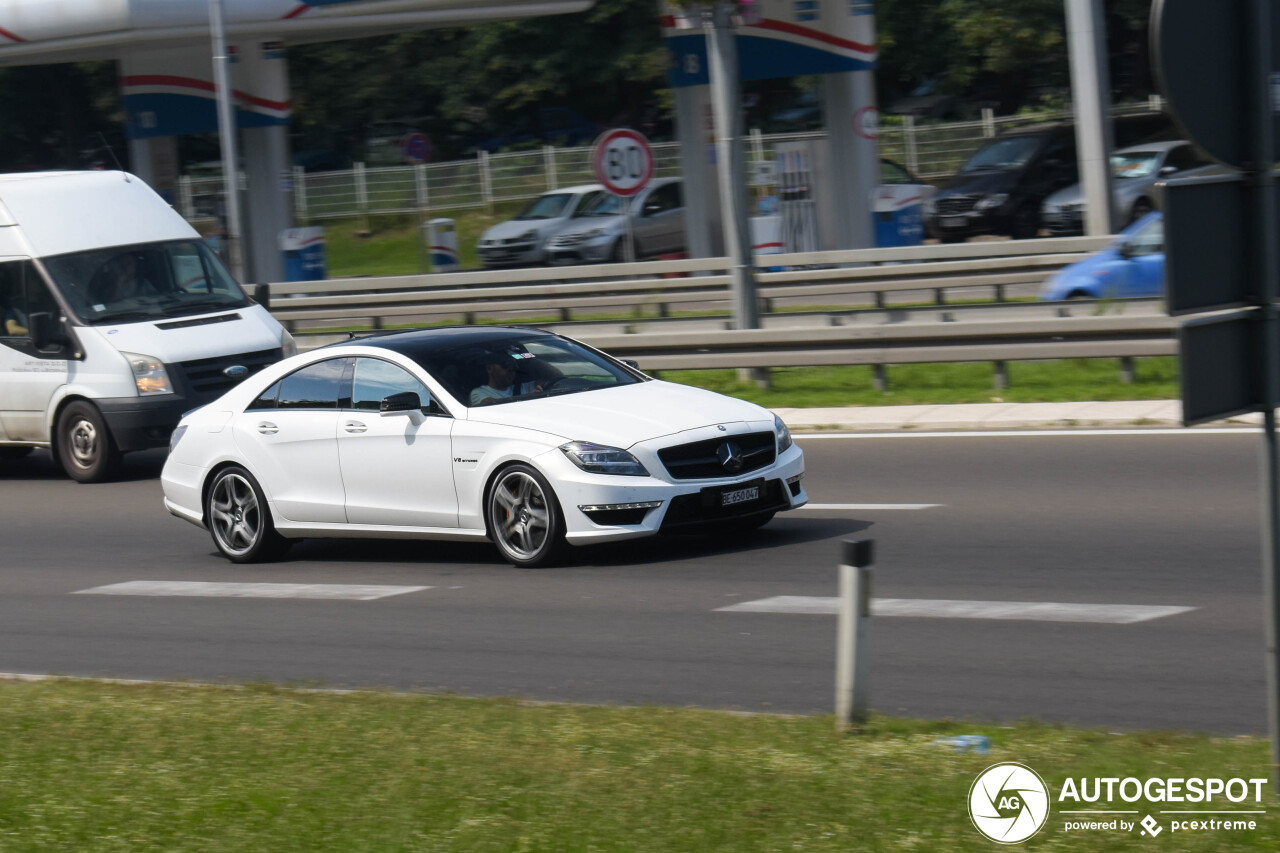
(602, 459)
(594, 232)
(287, 343)
(149, 374)
(176, 436)
(992, 201)
(782, 434)
(531, 234)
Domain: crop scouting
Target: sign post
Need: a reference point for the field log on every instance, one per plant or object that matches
(623, 164)
(1230, 108)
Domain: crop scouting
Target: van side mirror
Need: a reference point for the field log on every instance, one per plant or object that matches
(46, 331)
(405, 401)
(262, 295)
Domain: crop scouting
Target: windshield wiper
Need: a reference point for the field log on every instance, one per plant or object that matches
(117, 316)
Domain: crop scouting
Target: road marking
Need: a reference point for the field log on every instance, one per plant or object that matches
(208, 589)
(924, 608)
(869, 507)
(1024, 433)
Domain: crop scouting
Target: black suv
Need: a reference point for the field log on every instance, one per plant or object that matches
(999, 188)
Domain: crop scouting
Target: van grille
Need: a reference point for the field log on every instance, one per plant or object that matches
(204, 377)
(702, 459)
(955, 204)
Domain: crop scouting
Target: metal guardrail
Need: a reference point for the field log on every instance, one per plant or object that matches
(939, 269)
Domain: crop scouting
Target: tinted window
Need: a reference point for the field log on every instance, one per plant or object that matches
(376, 379)
(316, 386)
(266, 400)
(22, 293)
(892, 173)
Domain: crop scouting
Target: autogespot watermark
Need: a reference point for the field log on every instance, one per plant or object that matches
(1010, 803)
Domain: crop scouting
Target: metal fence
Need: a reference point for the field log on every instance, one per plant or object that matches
(930, 149)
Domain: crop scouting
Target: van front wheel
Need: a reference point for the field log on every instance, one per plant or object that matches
(85, 448)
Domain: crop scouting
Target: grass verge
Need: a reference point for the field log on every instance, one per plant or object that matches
(103, 767)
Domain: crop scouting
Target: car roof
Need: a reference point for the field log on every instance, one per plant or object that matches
(576, 190)
(416, 342)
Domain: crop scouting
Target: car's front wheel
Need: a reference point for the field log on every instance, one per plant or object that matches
(85, 448)
(236, 512)
(523, 517)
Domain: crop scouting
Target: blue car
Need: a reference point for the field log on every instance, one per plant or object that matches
(1131, 266)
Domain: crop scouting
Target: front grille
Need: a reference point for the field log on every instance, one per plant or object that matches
(955, 204)
(703, 459)
(568, 239)
(703, 507)
(204, 377)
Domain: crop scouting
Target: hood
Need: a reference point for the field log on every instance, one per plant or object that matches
(255, 330)
(515, 227)
(589, 223)
(1069, 195)
(625, 415)
(982, 182)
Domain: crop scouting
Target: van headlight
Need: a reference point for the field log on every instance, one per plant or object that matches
(287, 343)
(149, 374)
(991, 202)
(782, 434)
(602, 459)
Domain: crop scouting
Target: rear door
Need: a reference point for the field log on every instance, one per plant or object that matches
(289, 438)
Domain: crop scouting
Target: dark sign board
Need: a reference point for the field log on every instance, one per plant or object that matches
(1206, 238)
(1219, 361)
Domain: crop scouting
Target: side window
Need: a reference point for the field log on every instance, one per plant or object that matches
(1184, 157)
(892, 173)
(1148, 241)
(316, 386)
(22, 293)
(663, 198)
(266, 400)
(376, 379)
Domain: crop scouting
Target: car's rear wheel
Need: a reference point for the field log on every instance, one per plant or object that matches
(236, 511)
(85, 448)
(524, 518)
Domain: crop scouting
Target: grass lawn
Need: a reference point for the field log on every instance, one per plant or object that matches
(102, 767)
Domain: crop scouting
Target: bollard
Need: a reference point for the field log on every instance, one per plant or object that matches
(852, 653)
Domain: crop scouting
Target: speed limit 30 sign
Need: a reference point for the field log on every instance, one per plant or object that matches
(623, 161)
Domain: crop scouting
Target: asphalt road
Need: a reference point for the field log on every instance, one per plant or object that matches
(1131, 519)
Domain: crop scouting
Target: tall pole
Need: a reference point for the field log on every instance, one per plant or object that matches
(722, 67)
(1091, 94)
(227, 137)
(1262, 179)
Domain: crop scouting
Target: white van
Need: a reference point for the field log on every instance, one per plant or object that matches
(117, 318)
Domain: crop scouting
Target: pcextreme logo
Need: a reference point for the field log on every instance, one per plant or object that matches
(1009, 803)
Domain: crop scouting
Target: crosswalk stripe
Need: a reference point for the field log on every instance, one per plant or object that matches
(924, 608)
(210, 589)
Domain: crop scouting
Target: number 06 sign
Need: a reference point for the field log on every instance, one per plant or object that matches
(623, 161)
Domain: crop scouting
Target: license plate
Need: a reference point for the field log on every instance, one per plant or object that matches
(954, 221)
(738, 496)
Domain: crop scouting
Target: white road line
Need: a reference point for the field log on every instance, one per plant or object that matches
(924, 608)
(203, 589)
(869, 507)
(1026, 433)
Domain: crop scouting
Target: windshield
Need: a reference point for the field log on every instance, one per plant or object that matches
(1003, 154)
(511, 370)
(546, 207)
(603, 204)
(1135, 164)
(149, 281)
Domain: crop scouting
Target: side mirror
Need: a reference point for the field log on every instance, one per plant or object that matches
(405, 401)
(262, 295)
(46, 331)
(1168, 170)
(631, 362)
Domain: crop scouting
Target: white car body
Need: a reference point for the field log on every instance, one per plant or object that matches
(349, 472)
(522, 241)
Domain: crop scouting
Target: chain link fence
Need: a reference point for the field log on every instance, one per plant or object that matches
(932, 150)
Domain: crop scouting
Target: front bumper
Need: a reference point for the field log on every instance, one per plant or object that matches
(510, 255)
(141, 423)
(957, 226)
(594, 251)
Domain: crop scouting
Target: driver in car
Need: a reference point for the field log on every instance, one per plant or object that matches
(501, 370)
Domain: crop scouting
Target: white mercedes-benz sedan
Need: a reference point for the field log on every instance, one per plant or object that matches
(519, 436)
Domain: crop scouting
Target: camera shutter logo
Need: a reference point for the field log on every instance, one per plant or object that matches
(1009, 803)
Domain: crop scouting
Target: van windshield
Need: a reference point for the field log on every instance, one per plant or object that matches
(1009, 153)
(149, 281)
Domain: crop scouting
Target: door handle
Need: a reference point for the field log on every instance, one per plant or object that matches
(267, 428)
(354, 426)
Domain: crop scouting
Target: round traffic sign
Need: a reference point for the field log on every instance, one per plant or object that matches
(416, 148)
(866, 122)
(623, 161)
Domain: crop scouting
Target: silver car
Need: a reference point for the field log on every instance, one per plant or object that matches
(522, 241)
(599, 232)
(1135, 171)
